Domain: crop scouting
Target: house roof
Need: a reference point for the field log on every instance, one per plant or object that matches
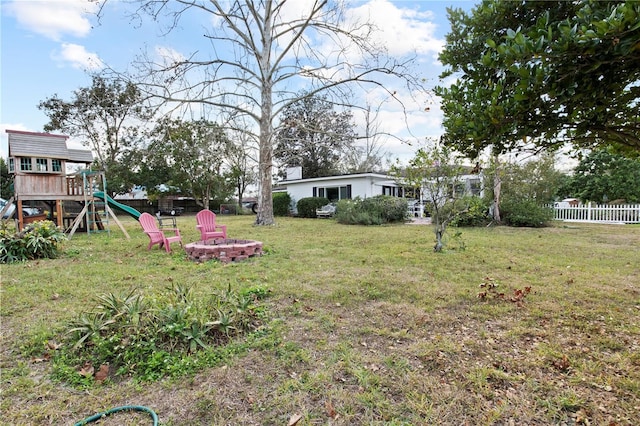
(338, 177)
(45, 145)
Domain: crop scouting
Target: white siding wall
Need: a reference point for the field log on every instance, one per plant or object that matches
(361, 186)
(300, 190)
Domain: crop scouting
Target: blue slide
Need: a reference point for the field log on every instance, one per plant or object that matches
(113, 203)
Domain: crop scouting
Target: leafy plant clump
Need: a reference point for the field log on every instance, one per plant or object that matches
(490, 291)
(476, 213)
(130, 335)
(376, 210)
(39, 240)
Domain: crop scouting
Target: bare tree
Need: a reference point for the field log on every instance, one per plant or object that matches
(240, 160)
(370, 155)
(262, 53)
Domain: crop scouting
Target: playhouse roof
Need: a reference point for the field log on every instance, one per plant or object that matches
(80, 156)
(45, 145)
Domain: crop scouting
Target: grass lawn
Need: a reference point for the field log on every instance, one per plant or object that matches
(367, 326)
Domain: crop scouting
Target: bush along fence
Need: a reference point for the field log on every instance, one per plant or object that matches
(623, 213)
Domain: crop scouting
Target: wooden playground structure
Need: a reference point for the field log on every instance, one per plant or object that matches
(38, 163)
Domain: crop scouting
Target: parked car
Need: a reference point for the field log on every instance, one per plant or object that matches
(26, 211)
(175, 211)
(251, 206)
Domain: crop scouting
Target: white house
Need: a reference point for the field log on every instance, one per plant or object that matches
(349, 186)
(340, 187)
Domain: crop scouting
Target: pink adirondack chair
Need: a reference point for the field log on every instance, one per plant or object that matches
(206, 224)
(156, 235)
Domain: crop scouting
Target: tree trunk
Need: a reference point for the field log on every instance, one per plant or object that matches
(439, 245)
(497, 186)
(265, 162)
(265, 201)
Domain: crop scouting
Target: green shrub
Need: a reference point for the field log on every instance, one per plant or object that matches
(307, 206)
(525, 213)
(214, 205)
(281, 203)
(150, 339)
(38, 240)
(475, 214)
(372, 211)
(350, 212)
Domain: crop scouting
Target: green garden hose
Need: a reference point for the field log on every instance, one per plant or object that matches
(115, 410)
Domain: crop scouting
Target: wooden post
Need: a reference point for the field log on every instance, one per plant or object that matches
(115, 219)
(78, 221)
(60, 219)
(19, 215)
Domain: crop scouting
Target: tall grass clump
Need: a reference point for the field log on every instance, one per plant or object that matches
(376, 210)
(39, 240)
(152, 338)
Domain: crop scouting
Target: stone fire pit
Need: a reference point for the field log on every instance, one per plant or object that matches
(226, 251)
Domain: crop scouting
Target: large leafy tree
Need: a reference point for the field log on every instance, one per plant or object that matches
(536, 74)
(537, 180)
(107, 117)
(192, 152)
(6, 180)
(604, 175)
(261, 51)
(313, 135)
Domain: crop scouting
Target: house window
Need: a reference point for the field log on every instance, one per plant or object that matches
(12, 165)
(42, 165)
(410, 192)
(345, 192)
(457, 189)
(475, 187)
(25, 164)
(56, 165)
(393, 191)
(333, 193)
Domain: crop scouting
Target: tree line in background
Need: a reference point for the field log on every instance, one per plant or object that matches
(263, 51)
(200, 158)
(531, 76)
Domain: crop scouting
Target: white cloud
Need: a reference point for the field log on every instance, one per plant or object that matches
(402, 30)
(168, 56)
(53, 18)
(78, 57)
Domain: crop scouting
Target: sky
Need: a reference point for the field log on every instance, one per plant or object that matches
(50, 47)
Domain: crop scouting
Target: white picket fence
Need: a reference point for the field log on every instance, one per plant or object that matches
(599, 213)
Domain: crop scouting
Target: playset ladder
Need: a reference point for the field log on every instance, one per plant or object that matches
(96, 215)
(96, 211)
